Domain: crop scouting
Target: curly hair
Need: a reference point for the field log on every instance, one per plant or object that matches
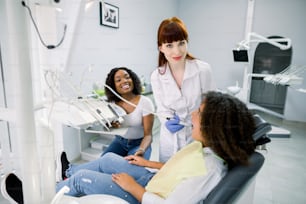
(170, 30)
(110, 81)
(228, 126)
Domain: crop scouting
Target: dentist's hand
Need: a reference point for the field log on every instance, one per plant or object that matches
(173, 124)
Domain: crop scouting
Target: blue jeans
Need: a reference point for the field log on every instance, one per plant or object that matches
(95, 177)
(124, 147)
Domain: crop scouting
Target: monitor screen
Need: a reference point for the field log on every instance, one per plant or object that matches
(240, 55)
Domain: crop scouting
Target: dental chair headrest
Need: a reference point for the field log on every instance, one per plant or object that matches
(262, 128)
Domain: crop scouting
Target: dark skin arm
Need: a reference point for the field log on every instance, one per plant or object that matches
(129, 184)
(147, 121)
(140, 161)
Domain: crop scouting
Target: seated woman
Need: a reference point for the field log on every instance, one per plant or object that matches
(139, 120)
(222, 130)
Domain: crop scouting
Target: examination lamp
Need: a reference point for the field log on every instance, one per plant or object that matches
(241, 52)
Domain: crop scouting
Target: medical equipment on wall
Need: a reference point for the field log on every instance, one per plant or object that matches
(37, 30)
(241, 55)
(281, 43)
(289, 76)
(80, 111)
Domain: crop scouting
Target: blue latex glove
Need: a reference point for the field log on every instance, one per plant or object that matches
(173, 124)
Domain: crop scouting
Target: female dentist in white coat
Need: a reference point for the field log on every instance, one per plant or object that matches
(177, 84)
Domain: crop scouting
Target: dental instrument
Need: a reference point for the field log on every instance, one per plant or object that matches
(289, 76)
(92, 109)
(181, 122)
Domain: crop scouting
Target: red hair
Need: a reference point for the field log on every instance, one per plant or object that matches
(170, 30)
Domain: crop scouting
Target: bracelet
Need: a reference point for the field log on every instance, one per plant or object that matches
(140, 149)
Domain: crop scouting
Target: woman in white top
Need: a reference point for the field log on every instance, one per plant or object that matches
(222, 130)
(139, 120)
(177, 85)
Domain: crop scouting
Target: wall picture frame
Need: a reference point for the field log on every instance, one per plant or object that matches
(109, 15)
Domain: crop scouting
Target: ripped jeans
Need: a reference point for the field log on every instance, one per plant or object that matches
(95, 177)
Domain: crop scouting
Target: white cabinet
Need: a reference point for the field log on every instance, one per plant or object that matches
(89, 144)
(71, 121)
(93, 144)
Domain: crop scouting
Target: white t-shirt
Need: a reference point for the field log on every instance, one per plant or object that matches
(133, 120)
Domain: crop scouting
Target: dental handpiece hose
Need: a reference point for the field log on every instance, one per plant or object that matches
(128, 102)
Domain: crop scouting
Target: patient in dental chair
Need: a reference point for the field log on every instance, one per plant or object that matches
(222, 130)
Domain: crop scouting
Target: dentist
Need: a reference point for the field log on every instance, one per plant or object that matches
(177, 85)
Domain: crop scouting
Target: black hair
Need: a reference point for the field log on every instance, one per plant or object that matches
(110, 81)
(228, 127)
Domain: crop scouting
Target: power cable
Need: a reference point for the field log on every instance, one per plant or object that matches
(36, 28)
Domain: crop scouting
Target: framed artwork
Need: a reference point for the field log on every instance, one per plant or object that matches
(109, 15)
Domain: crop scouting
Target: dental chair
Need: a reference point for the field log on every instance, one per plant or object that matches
(238, 184)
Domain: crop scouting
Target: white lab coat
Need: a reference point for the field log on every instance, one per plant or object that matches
(168, 97)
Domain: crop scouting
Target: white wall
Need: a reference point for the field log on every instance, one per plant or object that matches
(216, 26)
(132, 45)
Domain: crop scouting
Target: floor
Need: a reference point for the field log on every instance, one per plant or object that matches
(282, 179)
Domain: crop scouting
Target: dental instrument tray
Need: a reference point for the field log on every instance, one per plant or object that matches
(84, 113)
(102, 130)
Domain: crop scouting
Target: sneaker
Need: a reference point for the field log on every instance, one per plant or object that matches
(62, 164)
(11, 188)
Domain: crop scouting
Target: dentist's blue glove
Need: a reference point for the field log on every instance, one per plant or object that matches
(173, 124)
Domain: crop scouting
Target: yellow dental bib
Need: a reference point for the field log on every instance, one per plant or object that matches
(186, 163)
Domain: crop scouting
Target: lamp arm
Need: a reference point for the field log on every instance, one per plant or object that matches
(275, 41)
